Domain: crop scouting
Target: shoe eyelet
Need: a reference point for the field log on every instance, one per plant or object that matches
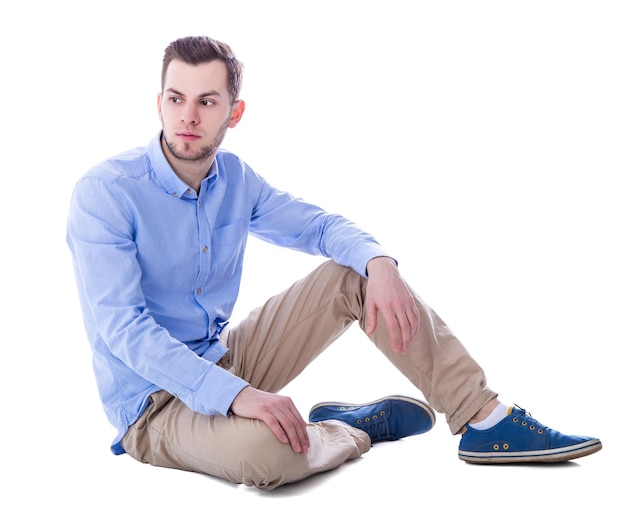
(374, 417)
(515, 419)
(359, 421)
(524, 423)
(496, 447)
(505, 446)
(531, 428)
(342, 408)
(382, 413)
(539, 432)
(367, 419)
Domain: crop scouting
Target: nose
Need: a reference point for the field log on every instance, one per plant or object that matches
(189, 115)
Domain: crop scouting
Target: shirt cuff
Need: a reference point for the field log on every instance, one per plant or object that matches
(217, 392)
(360, 263)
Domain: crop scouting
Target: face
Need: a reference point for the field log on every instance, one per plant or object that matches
(195, 110)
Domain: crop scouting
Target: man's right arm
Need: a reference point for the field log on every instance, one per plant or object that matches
(100, 235)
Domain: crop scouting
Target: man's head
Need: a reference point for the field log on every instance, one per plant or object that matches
(195, 50)
(199, 101)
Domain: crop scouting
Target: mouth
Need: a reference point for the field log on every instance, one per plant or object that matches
(187, 136)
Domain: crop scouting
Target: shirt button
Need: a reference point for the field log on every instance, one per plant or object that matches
(198, 291)
(205, 249)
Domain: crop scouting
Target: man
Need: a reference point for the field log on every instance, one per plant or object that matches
(157, 236)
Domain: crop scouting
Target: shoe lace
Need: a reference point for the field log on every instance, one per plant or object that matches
(526, 419)
(376, 427)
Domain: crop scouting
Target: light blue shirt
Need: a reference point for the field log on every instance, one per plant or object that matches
(158, 269)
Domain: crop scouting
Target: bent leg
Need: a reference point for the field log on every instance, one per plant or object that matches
(240, 450)
(278, 340)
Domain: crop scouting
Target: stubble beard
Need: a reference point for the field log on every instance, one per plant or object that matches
(186, 152)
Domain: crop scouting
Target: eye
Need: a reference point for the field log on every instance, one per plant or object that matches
(206, 103)
(175, 99)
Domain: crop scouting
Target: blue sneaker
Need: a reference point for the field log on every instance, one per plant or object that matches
(520, 438)
(389, 418)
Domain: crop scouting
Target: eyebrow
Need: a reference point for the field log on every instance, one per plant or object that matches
(202, 95)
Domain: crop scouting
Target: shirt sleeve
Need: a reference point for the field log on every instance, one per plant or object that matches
(284, 220)
(100, 237)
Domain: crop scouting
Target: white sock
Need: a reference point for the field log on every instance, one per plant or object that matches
(494, 417)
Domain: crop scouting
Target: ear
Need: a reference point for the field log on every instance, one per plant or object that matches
(159, 99)
(238, 109)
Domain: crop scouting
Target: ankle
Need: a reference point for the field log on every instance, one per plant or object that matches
(485, 411)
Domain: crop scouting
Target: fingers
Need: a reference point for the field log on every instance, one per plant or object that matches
(388, 295)
(295, 428)
(371, 312)
(410, 327)
(402, 325)
(289, 427)
(277, 412)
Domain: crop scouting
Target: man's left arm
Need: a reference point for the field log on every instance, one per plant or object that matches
(281, 219)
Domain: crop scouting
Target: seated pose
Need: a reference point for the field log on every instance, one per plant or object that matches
(157, 236)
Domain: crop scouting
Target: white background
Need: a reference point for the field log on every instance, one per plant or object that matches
(481, 142)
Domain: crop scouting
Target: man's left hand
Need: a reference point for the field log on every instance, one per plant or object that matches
(389, 295)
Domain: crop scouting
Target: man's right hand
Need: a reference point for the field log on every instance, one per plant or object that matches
(278, 412)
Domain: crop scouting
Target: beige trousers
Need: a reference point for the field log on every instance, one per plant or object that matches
(270, 348)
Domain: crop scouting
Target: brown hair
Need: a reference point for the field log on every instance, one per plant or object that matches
(195, 50)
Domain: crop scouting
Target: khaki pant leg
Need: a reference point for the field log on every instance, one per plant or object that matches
(240, 450)
(278, 340)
